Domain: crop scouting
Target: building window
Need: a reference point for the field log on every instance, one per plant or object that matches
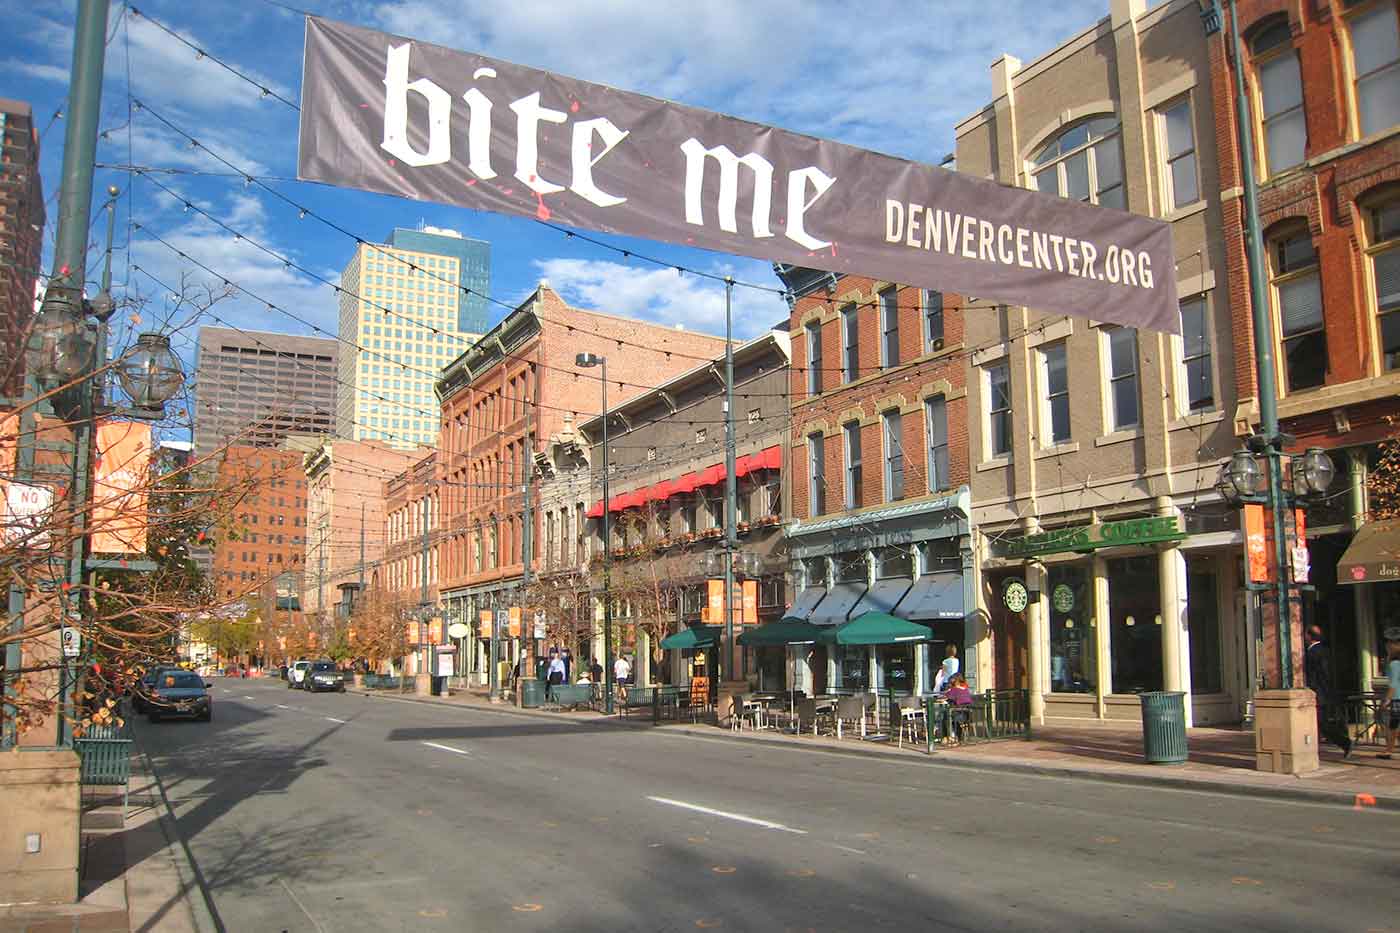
(998, 389)
(1280, 98)
(1122, 377)
(1203, 625)
(690, 517)
(816, 476)
(1297, 291)
(851, 433)
(889, 328)
(892, 427)
(1198, 378)
(933, 320)
(1084, 163)
(1178, 140)
(1073, 647)
(1054, 379)
(1135, 617)
(814, 358)
(1375, 67)
(850, 344)
(936, 426)
(1383, 233)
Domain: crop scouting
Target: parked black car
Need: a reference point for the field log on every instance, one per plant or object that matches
(179, 693)
(324, 675)
(145, 688)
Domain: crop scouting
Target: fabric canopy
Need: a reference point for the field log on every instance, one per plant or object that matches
(784, 632)
(712, 476)
(884, 596)
(875, 628)
(702, 636)
(839, 602)
(770, 458)
(935, 596)
(806, 602)
(596, 511)
(687, 483)
(1373, 555)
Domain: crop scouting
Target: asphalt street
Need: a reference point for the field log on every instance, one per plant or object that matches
(335, 812)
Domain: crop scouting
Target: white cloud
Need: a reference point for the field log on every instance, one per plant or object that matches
(663, 296)
(36, 70)
(153, 144)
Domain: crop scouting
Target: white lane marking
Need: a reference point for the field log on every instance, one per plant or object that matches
(333, 719)
(246, 697)
(837, 845)
(447, 748)
(738, 817)
(296, 900)
(283, 706)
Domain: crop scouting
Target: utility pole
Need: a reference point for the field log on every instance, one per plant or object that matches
(731, 533)
(527, 541)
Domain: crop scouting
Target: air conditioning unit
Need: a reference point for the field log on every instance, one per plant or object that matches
(937, 344)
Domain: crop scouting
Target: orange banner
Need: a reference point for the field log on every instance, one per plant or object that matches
(485, 627)
(716, 600)
(1257, 538)
(514, 621)
(750, 616)
(121, 468)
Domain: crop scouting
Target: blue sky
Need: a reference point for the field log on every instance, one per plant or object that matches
(894, 77)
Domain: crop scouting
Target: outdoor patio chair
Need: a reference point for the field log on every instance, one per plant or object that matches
(850, 710)
(805, 712)
(911, 719)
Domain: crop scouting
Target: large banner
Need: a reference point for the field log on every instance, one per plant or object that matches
(121, 473)
(397, 116)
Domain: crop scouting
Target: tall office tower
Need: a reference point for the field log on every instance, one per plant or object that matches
(21, 234)
(427, 280)
(255, 388)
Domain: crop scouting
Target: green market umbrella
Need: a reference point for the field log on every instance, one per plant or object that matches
(875, 628)
(702, 636)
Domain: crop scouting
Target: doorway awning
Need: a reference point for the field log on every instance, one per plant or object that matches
(783, 632)
(702, 636)
(806, 603)
(1373, 555)
(882, 597)
(837, 606)
(876, 628)
(934, 596)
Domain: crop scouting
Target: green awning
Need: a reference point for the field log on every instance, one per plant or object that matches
(875, 628)
(702, 636)
(784, 632)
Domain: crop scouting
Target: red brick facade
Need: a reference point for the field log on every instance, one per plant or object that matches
(1326, 195)
(271, 536)
(879, 388)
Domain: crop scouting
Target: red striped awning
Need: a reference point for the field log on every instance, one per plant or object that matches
(712, 476)
(596, 511)
(687, 483)
(661, 491)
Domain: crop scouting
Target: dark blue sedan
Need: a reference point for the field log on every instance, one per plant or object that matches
(179, 694)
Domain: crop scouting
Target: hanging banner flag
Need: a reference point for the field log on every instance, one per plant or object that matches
(121, 470)
(397, 116)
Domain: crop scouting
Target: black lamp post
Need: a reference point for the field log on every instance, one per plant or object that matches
(588, 361)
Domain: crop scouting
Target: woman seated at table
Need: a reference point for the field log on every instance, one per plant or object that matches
(955, 711)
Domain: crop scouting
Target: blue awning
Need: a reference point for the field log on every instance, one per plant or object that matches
(934, 596)
(883, 596)
(836, 607)
(806, 602)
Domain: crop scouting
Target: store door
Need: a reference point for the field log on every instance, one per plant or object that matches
(1009, 644)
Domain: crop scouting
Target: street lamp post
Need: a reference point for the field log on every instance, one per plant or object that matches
(587, 361)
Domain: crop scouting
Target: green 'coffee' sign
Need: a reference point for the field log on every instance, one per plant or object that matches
(1133, 531)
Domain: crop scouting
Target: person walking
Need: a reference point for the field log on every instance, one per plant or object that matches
(1390, 705)
(557, 673)
(1317, 669)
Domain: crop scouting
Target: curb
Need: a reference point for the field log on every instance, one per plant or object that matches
(998, 765)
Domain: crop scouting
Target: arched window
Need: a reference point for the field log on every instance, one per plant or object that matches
(1084, 163)
(1297, 295)
(1279, 98)
(1382, 229)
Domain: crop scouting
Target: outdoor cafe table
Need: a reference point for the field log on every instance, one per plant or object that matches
(1371, 719)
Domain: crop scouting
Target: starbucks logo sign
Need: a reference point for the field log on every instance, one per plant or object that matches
(1015, 595)
(1062, 598)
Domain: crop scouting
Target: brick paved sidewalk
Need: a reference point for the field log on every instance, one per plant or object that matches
(1220, 759)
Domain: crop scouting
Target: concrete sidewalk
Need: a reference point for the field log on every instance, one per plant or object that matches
(133, 876)
(1221, 760)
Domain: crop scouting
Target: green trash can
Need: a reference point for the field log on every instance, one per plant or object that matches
(1164, 727)
(532, 693)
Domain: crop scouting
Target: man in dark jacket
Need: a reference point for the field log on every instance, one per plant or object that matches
(1331, 724)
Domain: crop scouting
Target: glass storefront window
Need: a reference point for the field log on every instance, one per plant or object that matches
(1073, 653)
(1203, 627)
(1135, 611)
(895, 667)
(852, 667)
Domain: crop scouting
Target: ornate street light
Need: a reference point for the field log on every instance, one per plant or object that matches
(1312, 473)
(1245, 474)
(150, 372)
(65, 340)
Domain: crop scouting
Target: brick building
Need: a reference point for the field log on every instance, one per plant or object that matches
(345, 512)
(1107, 565)
(1322, 80)
(411, 503)
(500, 400)
(667, 509)
(879, 448)
(21, 233)
(270, 538)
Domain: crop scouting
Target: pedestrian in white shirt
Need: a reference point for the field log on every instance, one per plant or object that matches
(947, 670)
